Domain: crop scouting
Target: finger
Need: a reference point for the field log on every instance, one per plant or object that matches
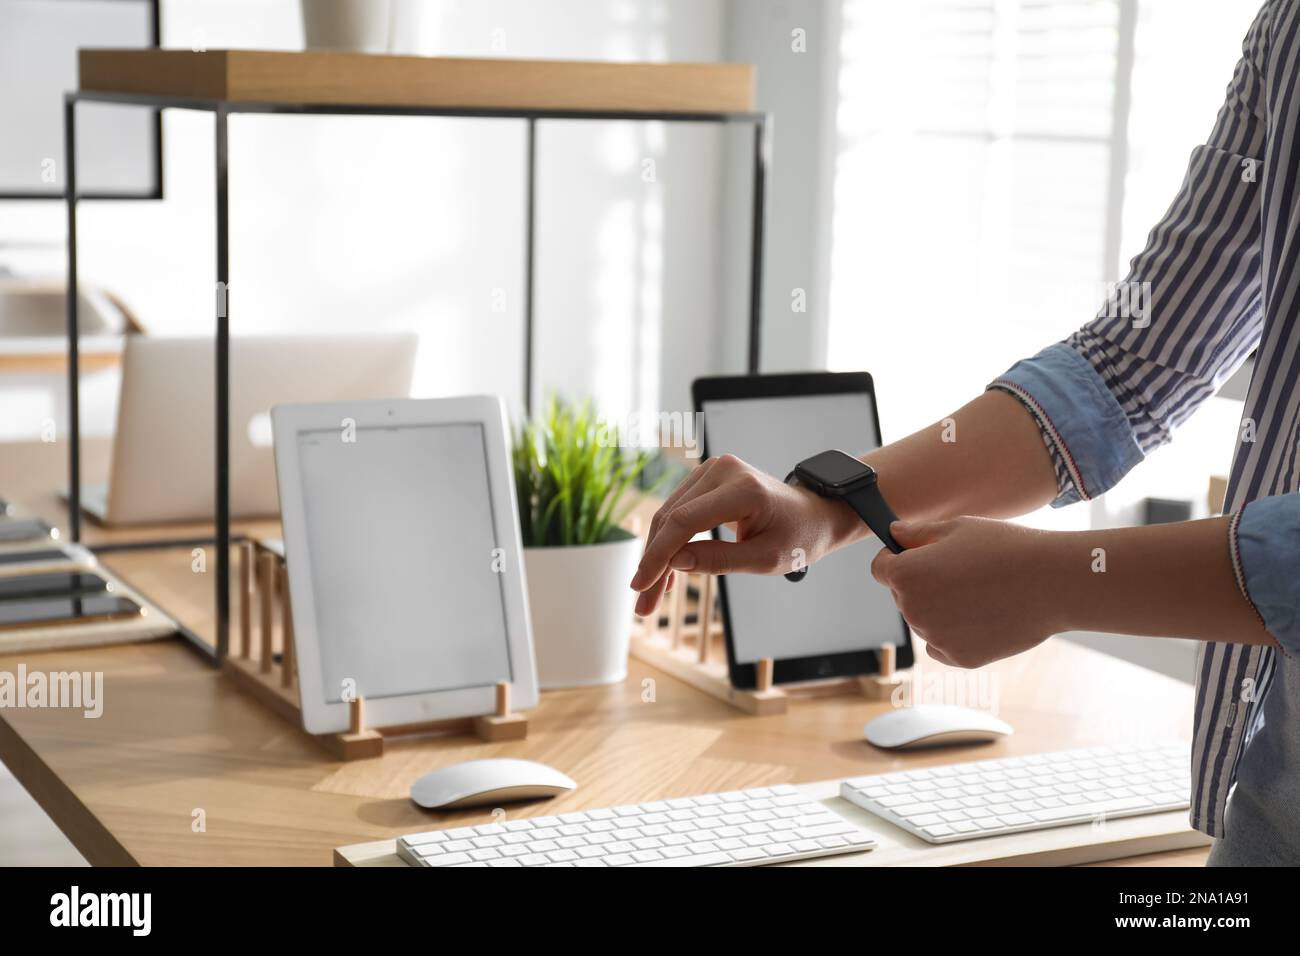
(914, 534)
(883, 566)
(705, 476)
(726, 503)
(727, 557)
(938, 655)
(648, 601)
(704, 479)
(690, 481)
(708, 474)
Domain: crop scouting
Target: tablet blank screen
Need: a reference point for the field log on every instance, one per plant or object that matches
(399, 523)
(838, 607)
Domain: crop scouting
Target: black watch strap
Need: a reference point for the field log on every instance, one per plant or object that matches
(801, 572)
(872, 507)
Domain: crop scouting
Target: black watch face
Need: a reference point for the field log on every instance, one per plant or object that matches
(836, 469)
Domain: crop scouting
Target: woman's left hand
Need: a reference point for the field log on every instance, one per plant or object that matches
(975, 589)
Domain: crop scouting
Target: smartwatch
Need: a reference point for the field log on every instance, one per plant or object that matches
(836, 474)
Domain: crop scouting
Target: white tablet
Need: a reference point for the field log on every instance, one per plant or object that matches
(401, 535)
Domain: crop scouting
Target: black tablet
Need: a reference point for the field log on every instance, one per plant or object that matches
(834, 622)
(51, 584)
(23, 529)
(65, 610)
(41, 555)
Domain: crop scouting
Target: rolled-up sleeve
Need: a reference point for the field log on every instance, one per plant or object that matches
(1265, 542)
(1085, 429)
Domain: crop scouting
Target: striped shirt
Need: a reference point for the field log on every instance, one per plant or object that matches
(1218, 279)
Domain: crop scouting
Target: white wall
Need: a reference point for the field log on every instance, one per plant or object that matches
(794, 47)
(353, 223)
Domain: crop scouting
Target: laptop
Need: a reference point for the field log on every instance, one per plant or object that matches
(164, 460)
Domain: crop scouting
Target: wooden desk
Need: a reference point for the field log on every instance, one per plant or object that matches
(31, 473)
(177, 737)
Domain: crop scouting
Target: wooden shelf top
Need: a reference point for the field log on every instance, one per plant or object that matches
(363, 79)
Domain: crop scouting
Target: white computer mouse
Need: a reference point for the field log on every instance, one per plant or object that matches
(934, 725)
(499, 780)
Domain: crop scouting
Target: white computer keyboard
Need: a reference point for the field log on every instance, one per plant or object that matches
(991, 797)
(740, 828)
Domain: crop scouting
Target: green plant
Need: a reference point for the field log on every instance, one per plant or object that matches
(571, 477)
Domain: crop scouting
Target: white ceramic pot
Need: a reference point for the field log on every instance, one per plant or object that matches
(581, 608)
(357, 26)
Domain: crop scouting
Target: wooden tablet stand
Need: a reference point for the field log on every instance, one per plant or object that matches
(881, 686)
(692, 651)
(271, 677)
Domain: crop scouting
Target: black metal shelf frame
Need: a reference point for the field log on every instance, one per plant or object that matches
(222, 110)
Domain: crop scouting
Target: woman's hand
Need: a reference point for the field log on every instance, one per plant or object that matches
(975, 589)
(779, 527)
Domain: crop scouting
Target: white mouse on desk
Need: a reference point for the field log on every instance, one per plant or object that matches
(477, 782)
(934, 725)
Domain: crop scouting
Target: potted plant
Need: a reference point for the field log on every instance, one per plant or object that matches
(572, 479)
(357, 26)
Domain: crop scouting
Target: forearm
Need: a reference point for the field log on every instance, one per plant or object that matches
(979, 590)
(1169, 580)
(986, 459)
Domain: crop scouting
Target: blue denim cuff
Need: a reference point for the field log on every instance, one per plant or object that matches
(1079, 417)
(1265, 546)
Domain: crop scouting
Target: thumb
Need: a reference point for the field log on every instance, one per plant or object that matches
(914, 534)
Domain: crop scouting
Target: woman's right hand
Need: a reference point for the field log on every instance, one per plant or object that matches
(779, 528)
